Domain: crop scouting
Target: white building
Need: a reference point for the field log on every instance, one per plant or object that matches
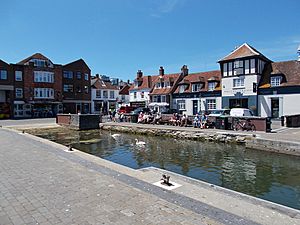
(241, 73)
(139, 91)
(198, 92)
(279, 89)
(104, 96)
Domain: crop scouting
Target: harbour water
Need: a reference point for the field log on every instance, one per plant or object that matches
(270, 176)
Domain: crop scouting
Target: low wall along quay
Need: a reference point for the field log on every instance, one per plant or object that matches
(250, 140)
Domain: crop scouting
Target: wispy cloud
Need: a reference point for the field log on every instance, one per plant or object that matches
(280, 48)
(165, 6)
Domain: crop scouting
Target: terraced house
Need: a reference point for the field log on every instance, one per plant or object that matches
(140, 89)
(37, 87)
(163, 88)
(198, 92)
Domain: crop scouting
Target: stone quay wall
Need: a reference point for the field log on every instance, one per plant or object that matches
(248, 140)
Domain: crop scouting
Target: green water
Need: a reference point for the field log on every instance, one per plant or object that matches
(270, 176)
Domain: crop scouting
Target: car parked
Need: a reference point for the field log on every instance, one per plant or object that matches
(220, 112)
(241, 112)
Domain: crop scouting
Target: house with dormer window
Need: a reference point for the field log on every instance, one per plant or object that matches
(139, 91)
(198, 92)
(279, 89)
(241, 71)
(163, 87)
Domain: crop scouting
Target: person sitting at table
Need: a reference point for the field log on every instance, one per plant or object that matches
(196, 121)
(183, 121)
(203, 121)
(140, 117)
(173, 120)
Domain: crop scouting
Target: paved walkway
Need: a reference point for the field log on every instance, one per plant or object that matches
(41, 184)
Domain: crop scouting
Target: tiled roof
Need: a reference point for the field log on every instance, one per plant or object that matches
(166, 90)
(242, 51)
(124, 90)
(290, 70)
(97, 83)
(146, 83)
(202, 77)
(34, 56)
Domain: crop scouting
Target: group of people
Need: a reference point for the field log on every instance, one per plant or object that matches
(117, 117)
(149, 118)
(177, 120)
(200, 121)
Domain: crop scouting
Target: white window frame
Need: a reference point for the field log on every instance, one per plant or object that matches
(67, 74)
(182, 88)
(181, 104)
(18, 75)
(105, 94)
(86, 76)
(43, 77)
(19, 92)
(252, 66)
(211, 86)
(230, 69)
(247, 66)
(3, 74)
(275, 81)
(211, 104)
(225, 72)
(44, 93)
(239, 82)
(196, 87)
(98, 93)
(68, 88)
(111, 94)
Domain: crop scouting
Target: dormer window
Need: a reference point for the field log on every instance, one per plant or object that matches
(276, 81)
(196, 87)
(158, 85)
(41, 63)
(182, 88)
(212, 86)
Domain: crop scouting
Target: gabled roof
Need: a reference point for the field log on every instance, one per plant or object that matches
(97, 83)
(243, 51)
(165, 90)
(34, 56)
(2, 62)
(146, 83)
(79, 61)
(202, 77)
(124, 90)
(289, 70)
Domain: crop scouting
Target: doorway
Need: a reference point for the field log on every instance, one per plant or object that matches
(274, 107)
(238, 103)
(195, 107)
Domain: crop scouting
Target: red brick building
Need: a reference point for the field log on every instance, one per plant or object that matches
(6, 90)
(36, 87)
(76, 87)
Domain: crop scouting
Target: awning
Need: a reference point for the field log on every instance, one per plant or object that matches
(158, 104)
(19, 102)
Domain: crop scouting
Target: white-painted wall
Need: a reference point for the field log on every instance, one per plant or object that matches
(229, 90)
(288, 104)
(189, 104)
(94, 97)
(138, 96)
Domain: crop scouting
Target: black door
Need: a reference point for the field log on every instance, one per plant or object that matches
(195, 107)
(275, 107)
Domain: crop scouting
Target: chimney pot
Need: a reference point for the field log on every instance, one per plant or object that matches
(161, 71)
(139, 74)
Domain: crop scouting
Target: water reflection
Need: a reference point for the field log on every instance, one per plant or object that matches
(270, 176)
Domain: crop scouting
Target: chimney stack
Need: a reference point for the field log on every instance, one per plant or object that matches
(161, 71)
(139, 74)
(184, 70)
(97, 75)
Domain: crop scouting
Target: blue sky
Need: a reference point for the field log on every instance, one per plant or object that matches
(118, 37)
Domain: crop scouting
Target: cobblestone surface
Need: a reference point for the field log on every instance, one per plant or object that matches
(38, 186)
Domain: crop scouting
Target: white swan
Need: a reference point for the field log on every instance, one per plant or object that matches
(137, 142)
(116, 135)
